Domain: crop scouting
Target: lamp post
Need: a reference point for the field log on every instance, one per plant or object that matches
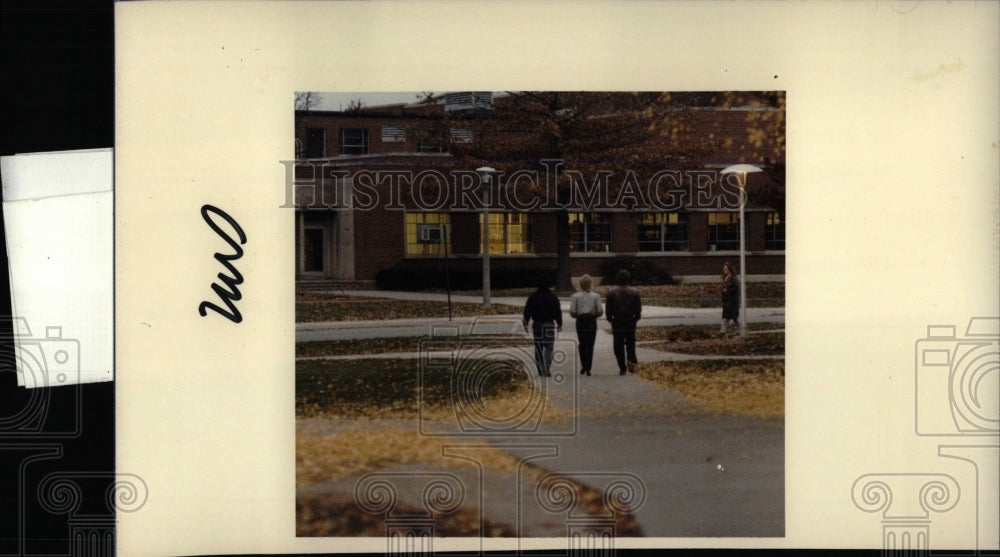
(741, 170)
(486, 173)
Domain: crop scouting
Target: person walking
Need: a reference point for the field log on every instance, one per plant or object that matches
(543, 311)
(585, 307)
(624, 309)
(730, 298)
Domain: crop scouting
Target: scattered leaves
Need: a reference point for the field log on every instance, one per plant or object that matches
(748, 387)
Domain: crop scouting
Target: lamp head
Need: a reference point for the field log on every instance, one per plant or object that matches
(740, 169)
(485, 172)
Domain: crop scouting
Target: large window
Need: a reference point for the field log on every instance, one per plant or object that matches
(774, 232)
(353, 141)
(426, 233)
(509, 233)
(315, 143)
(663, 232)
(589, 232)
(724, 231)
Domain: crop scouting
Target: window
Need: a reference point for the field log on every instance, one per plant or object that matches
(353, 141)
(424, 235)
(315, 143)
(393, 134)
(724, 231)
(774, 232)
(466, 100)
(461, 135)
(663, 232)
(589, 232)
(509, 233)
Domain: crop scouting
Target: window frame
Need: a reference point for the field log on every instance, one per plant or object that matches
(731, 227)
(413, 221)
(501, 225)
(774, 232)
(596, 231)
(345, 148)
(666, 232)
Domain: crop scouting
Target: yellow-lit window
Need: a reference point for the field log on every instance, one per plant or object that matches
(775, 232)
(509, 233)
(426, 233)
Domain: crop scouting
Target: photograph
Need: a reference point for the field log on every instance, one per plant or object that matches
(453, 277)
(539, 314)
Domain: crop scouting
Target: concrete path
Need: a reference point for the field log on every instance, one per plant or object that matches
(689, 474)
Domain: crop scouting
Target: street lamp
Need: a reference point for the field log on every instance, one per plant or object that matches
(741, 170)
(486, 173)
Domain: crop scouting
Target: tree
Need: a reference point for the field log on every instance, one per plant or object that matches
(589, 131)
(306, 101)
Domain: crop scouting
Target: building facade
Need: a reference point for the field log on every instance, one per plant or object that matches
(382, 190)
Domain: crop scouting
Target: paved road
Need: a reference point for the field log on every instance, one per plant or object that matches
(691, 474)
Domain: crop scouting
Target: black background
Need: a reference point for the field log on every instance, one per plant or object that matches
(57, 71)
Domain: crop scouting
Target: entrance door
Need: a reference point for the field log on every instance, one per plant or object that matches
(314, 251)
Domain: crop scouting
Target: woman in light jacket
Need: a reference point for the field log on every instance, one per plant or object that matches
(585, 307)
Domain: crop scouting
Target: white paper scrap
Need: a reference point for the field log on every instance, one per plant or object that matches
(58, 217)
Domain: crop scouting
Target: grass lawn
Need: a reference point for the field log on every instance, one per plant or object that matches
(705, 340)
(380, 388)
(345, 308)
(730, 386)
(392, 345)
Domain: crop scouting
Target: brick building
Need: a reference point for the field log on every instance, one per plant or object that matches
(380, 189)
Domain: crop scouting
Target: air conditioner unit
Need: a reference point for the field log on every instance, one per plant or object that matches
(429, 233)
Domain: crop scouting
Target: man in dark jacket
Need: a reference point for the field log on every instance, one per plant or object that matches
(624, 308)
(544, 313)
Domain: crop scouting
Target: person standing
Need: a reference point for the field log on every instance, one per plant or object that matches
(624, 309)
(585, 307)
(730, 298)
(543, 311)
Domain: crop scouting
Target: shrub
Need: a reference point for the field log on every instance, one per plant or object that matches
(643, 271)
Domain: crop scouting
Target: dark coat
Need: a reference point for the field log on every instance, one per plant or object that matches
(543, 307)
(730, 297)
(623, 307)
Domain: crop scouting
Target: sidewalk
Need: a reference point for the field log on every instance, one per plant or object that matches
(692, 474)
(651, 315)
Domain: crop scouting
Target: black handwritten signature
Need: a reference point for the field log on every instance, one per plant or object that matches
(230, 293)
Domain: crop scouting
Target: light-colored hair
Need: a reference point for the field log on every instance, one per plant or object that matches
(585, 282)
